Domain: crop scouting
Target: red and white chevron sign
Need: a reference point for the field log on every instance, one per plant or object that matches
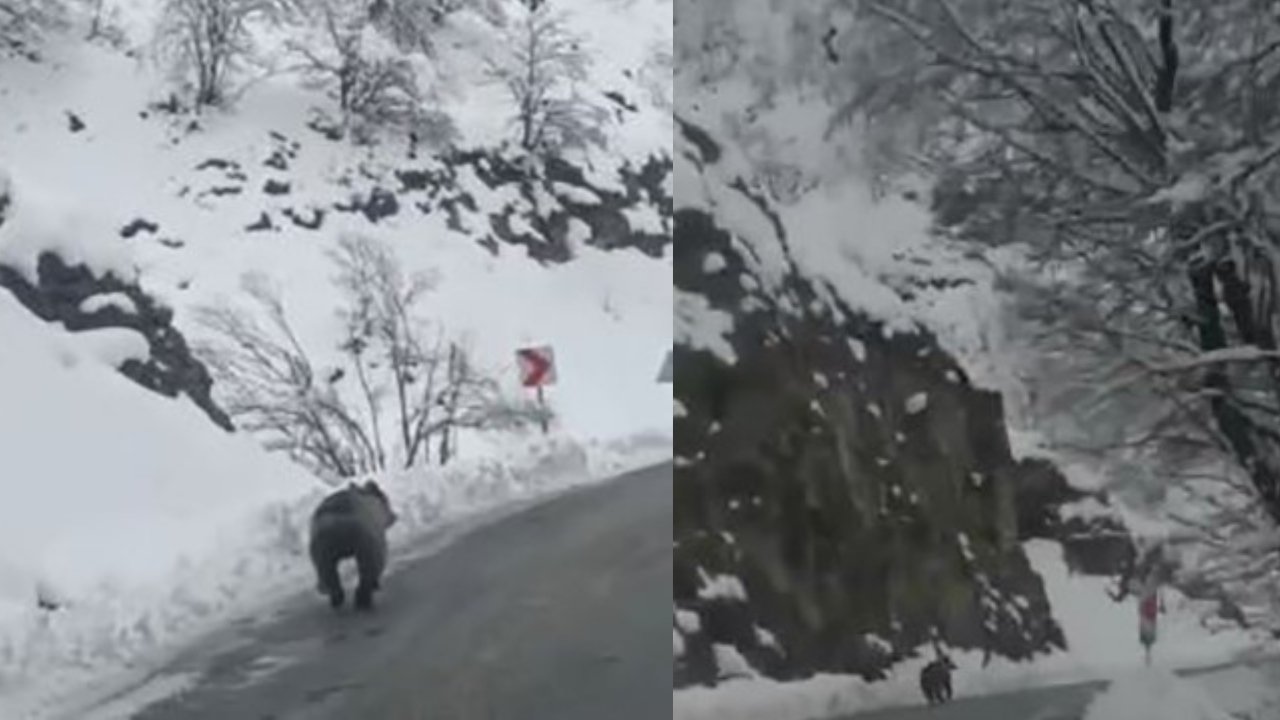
(537, 366)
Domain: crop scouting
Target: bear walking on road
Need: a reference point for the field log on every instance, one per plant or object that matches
(935, 680)
(351, 523)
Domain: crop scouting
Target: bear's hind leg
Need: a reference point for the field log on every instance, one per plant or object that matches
(327, 579)
(370, 560)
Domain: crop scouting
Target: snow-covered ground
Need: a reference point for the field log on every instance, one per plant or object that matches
(1152, 695)
(1239, 693)
(145, 523)
(1102, 637)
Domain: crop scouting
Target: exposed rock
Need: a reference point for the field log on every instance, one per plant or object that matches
(138, 225)
(171, 370)
(218, 164)
(380, 203)
(310, 223)
(606, 218)
(621, 101)
(275, 187)
(856, 518)
(262, 223)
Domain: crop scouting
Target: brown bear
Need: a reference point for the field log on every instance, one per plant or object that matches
(935, 680)
(351, 523)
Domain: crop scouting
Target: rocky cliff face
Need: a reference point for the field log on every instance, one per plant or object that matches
(841, 489)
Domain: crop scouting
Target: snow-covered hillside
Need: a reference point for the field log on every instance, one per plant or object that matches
(764, 161)
(135, 522)
(202, 189)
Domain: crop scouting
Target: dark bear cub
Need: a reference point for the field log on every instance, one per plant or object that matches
(935, 680)
(351, 523)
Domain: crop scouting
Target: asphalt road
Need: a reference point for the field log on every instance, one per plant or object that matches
(560, 611)
(1062, 702)
(1067, 702)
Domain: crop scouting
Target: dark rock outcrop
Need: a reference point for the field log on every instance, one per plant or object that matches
(58, 296)
(275, 187)
(849, 477)
(262, 223)
(547, 242)
(138, 225)
(378, 204)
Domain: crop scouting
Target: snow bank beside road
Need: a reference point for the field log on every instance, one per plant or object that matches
(1102, 637)
(1155, 694)
(106, 484)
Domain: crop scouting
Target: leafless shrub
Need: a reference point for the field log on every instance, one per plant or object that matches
(541, 64)
(23, 24)
(207, 41)
(398, 379)
(374, 84)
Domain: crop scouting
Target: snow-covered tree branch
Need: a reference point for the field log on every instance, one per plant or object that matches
(402, 369)
(207, 41)
(1101, 139)
(24, 22)
(345, 53)
(541, 64)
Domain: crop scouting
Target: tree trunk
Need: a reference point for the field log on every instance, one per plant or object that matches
(1231, 421)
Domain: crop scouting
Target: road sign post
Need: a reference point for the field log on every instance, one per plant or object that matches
(542, 408)
(1148, 610)
(537, 370)
(667, 373)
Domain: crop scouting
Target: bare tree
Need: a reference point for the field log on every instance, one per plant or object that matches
(1073, 128)
(270, 387)
(1130, 150)
(207, 41)
(24, 22)
(436, 388)
(412, 24)
(403, 373)
(345, 53)
(541, 65)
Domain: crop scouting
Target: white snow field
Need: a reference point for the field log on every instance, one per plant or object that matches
(1155, 695)
(140, 519)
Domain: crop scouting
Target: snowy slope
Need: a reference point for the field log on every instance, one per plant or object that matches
(119, 498)
(100, 469)
(607, 313)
